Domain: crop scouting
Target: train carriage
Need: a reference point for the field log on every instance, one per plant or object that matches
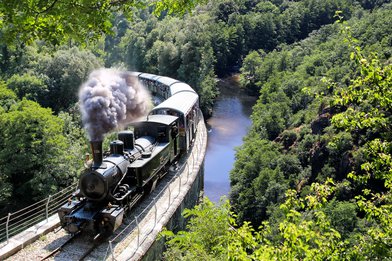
(180, 87)
(164, 84)
(184, 105)
(150, 81)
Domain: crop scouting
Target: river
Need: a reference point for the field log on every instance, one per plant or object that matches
(227, 126)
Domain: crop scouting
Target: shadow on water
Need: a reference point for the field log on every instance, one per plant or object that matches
(227, 126)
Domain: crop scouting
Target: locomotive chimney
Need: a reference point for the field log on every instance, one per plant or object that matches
(96, 148)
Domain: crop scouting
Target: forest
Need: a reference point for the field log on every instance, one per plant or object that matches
(312, 180)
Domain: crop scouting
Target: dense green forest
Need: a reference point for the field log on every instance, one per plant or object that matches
(292, 142)
(312, 180)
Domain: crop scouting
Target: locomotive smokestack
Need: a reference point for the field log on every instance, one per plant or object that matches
(96, 148)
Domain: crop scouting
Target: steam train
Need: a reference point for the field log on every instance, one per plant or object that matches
(116, 180)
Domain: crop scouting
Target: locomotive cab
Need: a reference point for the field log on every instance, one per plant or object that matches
(163, 127)
(154, 165)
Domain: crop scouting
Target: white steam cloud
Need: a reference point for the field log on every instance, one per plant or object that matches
(111, 99)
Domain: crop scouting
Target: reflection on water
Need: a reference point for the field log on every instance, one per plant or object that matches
(227, 126)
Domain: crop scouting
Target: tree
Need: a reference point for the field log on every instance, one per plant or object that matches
(368, 118)
(65, 72)
(29, 86)
(7, 97)
(304, 232)
(58, 21)
(272, 111)
(256, 180)
(248, 70)
(35, 156)
(202, 240)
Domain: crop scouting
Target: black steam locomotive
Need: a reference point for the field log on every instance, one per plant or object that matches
(116, 180)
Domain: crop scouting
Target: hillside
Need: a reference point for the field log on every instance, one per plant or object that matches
(313, 177)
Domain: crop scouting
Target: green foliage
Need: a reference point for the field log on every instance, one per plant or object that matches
(34, 162)
(304, 233)
(271, 112)
(222, 35)
(52, 80)
(295, 108)
(368, 118)
(377, 241)
(248, 70)
(369, 100)
(256, 168)
(7, 97)
(177, 48)
(202, 240)
(328, 119)
(343, 216)
(174, 7)
(29, 86)
(58, 21)
(65, 72)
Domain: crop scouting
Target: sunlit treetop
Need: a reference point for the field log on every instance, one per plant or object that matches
(59, 20)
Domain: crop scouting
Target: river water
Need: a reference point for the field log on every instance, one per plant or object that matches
(226, 128)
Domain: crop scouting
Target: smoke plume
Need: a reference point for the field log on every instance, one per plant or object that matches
(111, 99)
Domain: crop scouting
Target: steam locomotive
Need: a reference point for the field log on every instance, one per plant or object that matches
(116, 180)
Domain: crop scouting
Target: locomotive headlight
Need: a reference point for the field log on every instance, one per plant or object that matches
(93, 186)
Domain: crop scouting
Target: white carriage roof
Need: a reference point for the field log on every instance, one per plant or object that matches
(179, 87)
(181, 102)
(163, 119)
(148, 76)
(167, 80)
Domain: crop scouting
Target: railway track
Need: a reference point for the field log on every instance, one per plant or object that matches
(76, 246)
(58, 249)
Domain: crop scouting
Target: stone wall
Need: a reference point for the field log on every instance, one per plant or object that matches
(177, 221)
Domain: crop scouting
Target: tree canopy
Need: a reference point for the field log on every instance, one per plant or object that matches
(56, 21)
(317, 223)
(36, 157)
(312, 180)
(295, 112)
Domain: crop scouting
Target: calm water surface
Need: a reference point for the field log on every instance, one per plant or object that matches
(226, 128)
